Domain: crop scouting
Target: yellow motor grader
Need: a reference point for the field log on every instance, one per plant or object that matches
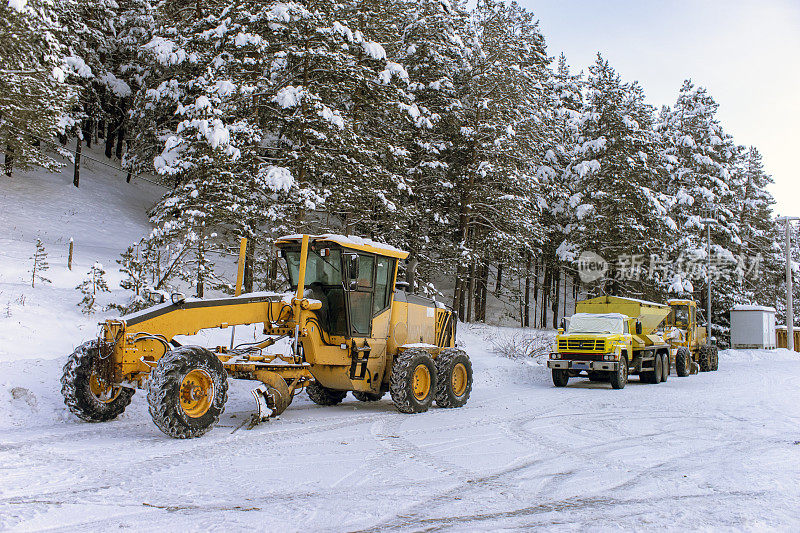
(349, 330)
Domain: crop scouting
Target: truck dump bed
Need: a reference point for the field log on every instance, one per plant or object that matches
(650, 314)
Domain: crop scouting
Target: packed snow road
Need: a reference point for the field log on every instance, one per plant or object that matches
(715, 451)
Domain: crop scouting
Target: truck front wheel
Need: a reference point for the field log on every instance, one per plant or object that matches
(620, 378)
(560, 377)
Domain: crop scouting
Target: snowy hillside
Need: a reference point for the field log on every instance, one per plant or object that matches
(103, 217)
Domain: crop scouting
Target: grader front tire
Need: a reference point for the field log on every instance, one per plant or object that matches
(454, 378)
(705, 358)
(84, 395)
(324, 396)
(413, 381)
(187, 392)
(683, 362)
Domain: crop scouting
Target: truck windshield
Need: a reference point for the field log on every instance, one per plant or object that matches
(595, 324)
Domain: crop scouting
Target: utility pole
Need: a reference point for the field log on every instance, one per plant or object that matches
(708, 222)
(789, 310)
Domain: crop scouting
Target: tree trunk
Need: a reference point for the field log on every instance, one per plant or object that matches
(545, 294)
(110, 140)
(249, 264)
(9, 160)
(556, 294)
(76, 176)
(535, 292)
(499, 282)
(88, 132)
(526, 321)
(120, 138)
(484, 291)
(470, 290)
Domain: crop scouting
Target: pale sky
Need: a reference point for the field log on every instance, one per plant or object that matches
(745, 52)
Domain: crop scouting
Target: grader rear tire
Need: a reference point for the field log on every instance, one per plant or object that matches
(412, 383)
(454, 378)
(665, 367)
(323, 395)
(683, 362)
(187, 392)
(83, 393)
(367, 396)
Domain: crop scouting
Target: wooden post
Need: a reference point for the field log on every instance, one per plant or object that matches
(242, 259)
(69, 259)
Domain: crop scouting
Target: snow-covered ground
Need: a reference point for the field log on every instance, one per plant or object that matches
(714, 451)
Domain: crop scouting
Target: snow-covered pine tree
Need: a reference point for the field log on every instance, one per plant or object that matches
(87, 31)
(93, 283)
(40, 265)
(33, 94)
(210, 136)
(614, 179)
(760, 256)
(327, 102)
(434, 52)
(701, 160)
(500, 145)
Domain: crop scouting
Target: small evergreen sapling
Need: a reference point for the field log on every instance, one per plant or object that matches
(95, 282)
(39, 264)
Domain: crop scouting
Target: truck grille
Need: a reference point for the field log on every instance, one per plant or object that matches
(578, 344)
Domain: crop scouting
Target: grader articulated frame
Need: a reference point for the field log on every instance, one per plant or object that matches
(349, 331)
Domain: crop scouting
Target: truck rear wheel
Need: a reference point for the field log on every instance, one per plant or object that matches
(323, 395)
(453, 378)
(187, 392)
(413, 381)
(652, 376)
(664, 366)
(683, 361)
(620, 378)
(560, 377)
(84, 394)
(704, 358)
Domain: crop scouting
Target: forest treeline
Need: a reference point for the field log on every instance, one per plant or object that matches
(446, 131)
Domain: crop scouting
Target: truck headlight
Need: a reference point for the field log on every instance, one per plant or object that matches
(610, 357)
(554, 355)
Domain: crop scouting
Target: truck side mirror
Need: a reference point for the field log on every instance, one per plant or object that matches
(638, 327)
(562, 325)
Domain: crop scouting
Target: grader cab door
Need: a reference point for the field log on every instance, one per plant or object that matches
(368, 282)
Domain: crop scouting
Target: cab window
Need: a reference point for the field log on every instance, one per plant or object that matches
(383, 278)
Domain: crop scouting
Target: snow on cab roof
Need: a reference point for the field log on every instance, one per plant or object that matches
(352, 241)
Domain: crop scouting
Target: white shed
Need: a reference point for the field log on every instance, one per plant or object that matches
(752, 326)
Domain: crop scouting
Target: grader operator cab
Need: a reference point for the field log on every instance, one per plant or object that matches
(349, 330)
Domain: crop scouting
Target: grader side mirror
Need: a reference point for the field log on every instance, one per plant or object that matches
(638, 327)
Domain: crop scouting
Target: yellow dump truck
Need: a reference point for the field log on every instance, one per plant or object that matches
(609, 338)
